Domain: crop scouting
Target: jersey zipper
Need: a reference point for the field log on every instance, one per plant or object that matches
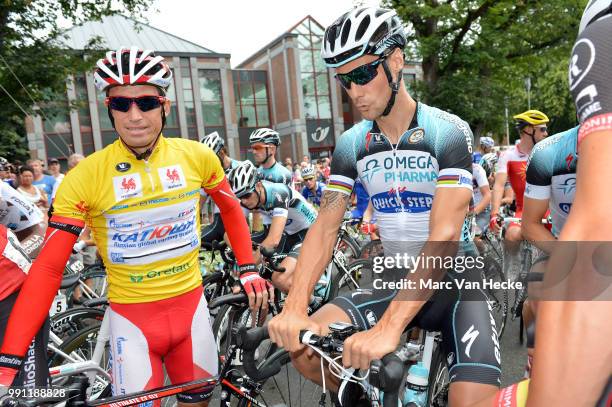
(148, 171)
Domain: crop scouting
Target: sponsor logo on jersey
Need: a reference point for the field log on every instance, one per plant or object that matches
(416, 136)
(120, 341)
(396, 168)
(127, 186)
(568, 160)
(172, 177)
(405, 201)
(140, 277)
(123, 167)
(583, 58)
(81, 207)
(568, 186)
(371, 317)
(565, 207)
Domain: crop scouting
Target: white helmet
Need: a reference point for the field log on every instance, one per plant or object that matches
(308, 172)
(487, 142)
(593, 12)
(264, 135)
(214, 141)
(132, 66)
(243, 179)
(363, 31)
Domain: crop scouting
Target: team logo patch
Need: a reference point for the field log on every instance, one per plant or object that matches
(81, 207)
(127, 186)
(416, 136)
(123, 167)
(172, 177)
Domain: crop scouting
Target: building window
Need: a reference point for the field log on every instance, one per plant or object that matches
(87, 141)
(409, 81)
(251, 91)
(188, 99)
(314, 76)
(57, 128)
(211, 98)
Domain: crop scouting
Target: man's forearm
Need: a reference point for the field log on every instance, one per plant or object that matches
(315, 255)
(496, 198)
(539, 236)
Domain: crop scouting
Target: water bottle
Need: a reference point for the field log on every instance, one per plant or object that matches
(415, 394)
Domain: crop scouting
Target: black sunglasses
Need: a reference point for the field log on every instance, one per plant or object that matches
(144, 103)
(362, 75)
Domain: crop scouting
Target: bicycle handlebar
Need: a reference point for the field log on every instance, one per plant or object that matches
(269, 254)
(386, 374)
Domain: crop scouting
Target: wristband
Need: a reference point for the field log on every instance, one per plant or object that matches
(247, 268)
(10, 361)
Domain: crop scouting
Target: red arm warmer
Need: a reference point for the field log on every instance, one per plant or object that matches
(233, 221)
(40, 286)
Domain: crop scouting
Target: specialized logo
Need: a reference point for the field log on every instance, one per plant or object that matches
(416, 136)
(123, 167)
(568, 160)
(172, 177)
(583, 58)
(127, 186)
(450, 358)
(469, 336)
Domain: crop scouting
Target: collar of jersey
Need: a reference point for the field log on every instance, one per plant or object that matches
(127, 153)
(413, 124)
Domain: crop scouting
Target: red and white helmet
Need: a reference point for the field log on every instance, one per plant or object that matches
(132, 66)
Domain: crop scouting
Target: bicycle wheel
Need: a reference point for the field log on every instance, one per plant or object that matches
(82, 344)
(349, 247)
(69, 322)
(437, 393)
(372, 249)
(348, 279)
(96, 283)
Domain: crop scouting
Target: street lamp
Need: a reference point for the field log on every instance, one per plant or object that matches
(528, 87)
(507, 125)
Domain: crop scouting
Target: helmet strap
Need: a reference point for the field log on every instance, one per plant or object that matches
(268, 155)
(393, 85)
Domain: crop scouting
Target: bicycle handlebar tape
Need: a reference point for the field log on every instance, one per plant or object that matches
(249, 341)
(387, 375)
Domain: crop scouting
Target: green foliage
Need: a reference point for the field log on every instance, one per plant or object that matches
(476, 55)
(31, 46)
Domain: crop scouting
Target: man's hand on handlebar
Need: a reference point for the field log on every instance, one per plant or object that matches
(365, 346)
(284, 329)
(259, 290)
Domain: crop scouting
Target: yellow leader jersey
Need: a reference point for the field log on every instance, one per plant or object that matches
(144, 214)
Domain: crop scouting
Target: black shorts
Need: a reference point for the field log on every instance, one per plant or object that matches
(291, 244)
(34, 370)
(469, 337)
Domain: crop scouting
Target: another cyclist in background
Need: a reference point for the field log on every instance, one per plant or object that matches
(485, 146)
(291, 216)
(216, 230)
(313, 189)
(139, 195)
(511, 166)
(482, 196)
(21, 237)
(264, 143)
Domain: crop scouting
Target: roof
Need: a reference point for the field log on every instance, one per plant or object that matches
(287, 34)
(117, 30)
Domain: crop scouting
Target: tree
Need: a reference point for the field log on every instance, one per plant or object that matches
(476, 54)
(34, 63)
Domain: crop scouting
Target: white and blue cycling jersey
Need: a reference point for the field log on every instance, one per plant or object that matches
(276, 173)
(551, 175)
(435, 152)
(286, 202)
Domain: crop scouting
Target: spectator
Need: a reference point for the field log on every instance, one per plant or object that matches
(54, 169)
(5, 173)
(325, 169)
(33, 193)
(73, 160)
(45, 182)
(289, 162)
(306, 159)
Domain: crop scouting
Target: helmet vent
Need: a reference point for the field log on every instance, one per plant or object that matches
(346, 29)
(362, 27)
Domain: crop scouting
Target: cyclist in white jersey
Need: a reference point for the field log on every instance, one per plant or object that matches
(415, 163)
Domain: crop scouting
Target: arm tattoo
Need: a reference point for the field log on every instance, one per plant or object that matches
(331, 201)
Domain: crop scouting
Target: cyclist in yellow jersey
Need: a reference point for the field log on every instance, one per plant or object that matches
(140, 198)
